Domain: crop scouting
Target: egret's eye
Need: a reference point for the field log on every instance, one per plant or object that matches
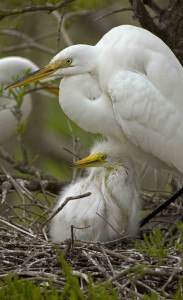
(68, 61)
(103, 157)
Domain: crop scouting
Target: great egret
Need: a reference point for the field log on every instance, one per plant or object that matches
(113, 207)
(141, 93)
(10, 67)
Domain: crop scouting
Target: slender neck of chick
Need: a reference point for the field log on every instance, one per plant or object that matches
(96, 174)
(120, 178)
(121, 175)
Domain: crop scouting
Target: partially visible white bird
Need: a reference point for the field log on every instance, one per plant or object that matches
(141, 93)
(112, 210)
(10, 67)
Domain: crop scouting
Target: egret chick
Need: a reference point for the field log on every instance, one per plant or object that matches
(112, 210)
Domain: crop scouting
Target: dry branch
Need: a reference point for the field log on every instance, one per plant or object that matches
(47, 7)
(64, 204)
(22, 167)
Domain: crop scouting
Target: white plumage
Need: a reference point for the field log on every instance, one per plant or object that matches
(139, 80)
(114, 188)
(10, 67)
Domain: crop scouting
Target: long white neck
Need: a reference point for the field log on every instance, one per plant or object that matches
(83, 102)
(121, 186)
(121, 178)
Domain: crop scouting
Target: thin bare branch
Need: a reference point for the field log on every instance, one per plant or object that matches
(153, 5)
(24, 168)
(64, 204)
(36, 8)
(115, 11)
(6, 223)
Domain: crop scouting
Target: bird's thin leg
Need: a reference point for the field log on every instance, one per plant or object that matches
(161, 207)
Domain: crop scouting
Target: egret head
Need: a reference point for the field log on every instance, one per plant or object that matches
(103, 154)
(74, 60)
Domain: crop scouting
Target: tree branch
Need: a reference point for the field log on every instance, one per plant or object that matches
(31, 184)
(47, 7)
(142, 15)
(153, 6)
(24, 168)
(169, 23)
(29, 42)
(64, 204)
(115, 11)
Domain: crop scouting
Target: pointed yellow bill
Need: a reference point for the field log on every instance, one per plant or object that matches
(89, 161)
(42, 73)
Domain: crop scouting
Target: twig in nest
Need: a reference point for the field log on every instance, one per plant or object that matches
(72, 232)
(96, 264)
(13, 182)
(146, 271)
(64, 204)
(106, 274)
(67, 248)
(6, 187)
(112, 253)
(16, 228)
(103, 250)
(81, 275)
(42, 186)
(109, 224)
(170, 278)
(41, 216)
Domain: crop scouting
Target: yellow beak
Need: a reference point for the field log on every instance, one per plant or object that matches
(42, 73)
(89, 161)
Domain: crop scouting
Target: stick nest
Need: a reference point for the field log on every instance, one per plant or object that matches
(134, 270)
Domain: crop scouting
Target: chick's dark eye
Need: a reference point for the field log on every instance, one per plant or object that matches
(68, 61)
(103, 157)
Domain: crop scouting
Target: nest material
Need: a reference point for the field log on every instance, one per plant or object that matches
(26, 250)
(36, 259)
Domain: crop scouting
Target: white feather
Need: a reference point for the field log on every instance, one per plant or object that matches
(111, 211)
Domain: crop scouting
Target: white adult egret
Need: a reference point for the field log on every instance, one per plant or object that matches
(113, 207)
(10, 67)
(141, 92)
